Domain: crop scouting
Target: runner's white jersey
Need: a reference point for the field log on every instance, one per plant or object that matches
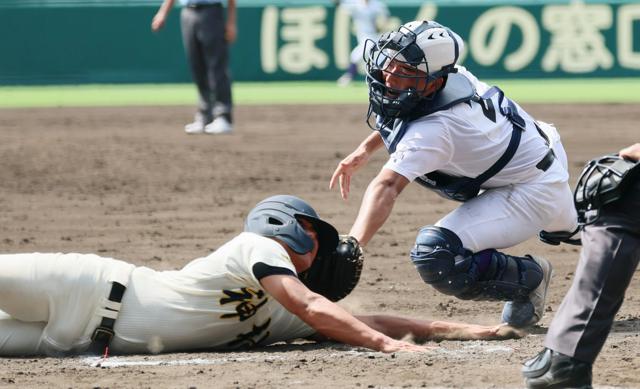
(213, 302)
(466, 139)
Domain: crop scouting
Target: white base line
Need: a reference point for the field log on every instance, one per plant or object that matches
(115, 362)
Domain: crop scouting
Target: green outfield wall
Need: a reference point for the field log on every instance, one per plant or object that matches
(84, 41)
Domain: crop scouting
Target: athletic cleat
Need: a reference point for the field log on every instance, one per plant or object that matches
(550, 369)
(219, 126)
(528, 313)
(197, 127)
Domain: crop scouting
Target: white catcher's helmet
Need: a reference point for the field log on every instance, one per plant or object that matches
(425, 45)
(440, 47)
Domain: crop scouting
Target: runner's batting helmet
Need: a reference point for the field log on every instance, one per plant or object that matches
(278, 217)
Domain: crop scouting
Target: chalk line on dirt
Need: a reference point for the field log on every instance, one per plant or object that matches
(469, 351)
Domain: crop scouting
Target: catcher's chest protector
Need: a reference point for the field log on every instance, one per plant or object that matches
(459, 90)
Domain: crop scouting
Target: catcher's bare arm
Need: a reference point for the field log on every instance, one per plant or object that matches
(424, 330)
(377, 203)
(328, 318)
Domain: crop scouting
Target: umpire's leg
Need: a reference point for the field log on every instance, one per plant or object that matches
(610, 255)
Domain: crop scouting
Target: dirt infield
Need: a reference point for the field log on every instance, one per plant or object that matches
(128, 183)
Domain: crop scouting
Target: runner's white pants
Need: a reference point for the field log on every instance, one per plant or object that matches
(52, 303)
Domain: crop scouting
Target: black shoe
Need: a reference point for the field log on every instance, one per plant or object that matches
(550, 369)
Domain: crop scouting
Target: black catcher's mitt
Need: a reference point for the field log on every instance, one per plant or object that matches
(335, 275)
(603, 181)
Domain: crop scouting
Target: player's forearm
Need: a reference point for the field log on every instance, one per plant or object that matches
(424, 330)
(372, 143)
(166, 6)
(397, 327)
(376, 207)
(335, 323)
(231, 11)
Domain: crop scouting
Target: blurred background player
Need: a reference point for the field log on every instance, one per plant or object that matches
(206, 36)
(366, 15)
(608, 261)
(465, 140)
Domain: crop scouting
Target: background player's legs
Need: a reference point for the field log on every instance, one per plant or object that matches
(190, 21)
(216, 59)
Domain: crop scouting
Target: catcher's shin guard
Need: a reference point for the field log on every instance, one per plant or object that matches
(508, 278)
(443, 262)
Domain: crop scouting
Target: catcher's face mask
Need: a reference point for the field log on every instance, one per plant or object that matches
(402, 65)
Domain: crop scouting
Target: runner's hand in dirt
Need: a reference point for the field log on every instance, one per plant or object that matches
(501, 331)
(394, 345)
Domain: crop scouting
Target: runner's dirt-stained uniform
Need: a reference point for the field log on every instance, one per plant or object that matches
(213, 302)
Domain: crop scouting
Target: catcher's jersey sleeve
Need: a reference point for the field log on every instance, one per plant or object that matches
(214, 302)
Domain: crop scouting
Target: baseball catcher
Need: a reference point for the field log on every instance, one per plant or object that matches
(466, 140)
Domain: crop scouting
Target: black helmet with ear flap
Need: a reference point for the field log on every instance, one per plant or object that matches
(279, 217)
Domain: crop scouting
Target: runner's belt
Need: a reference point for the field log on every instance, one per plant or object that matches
(103, 335)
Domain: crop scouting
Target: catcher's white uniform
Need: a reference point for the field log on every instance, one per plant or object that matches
(54, 302)
(462, 141)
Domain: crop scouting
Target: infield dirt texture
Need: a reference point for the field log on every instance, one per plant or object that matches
(128, 183)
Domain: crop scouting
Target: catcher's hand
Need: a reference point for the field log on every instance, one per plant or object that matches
(335, 275)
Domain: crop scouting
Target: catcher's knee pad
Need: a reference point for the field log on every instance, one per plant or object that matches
(442, 261)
